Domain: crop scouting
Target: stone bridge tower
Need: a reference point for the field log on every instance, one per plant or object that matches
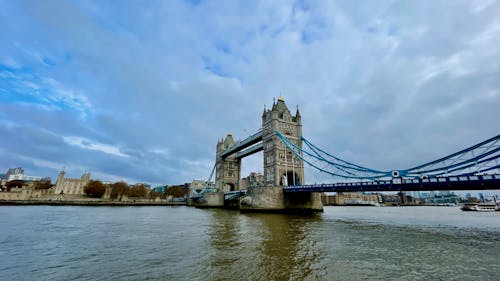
(281, 167)
(228, 169)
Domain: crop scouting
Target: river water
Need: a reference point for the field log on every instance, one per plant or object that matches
(182, 243)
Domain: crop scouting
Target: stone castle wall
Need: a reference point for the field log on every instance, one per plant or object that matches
(27, 194)
(71, 186)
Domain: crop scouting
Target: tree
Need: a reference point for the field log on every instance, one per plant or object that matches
(14, 183)
(119, 189)
(43, 184)
(95, 189)
(175, 191)
(138, 190)
(154, 194)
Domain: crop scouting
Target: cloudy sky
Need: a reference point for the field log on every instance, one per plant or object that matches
(141, 90)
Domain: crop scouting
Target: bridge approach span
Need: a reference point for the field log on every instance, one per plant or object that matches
(475, 182)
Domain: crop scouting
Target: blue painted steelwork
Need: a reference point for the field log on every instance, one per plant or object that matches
(208, 187)
(354, 172)
(475, 182)
(475, 160)
(463, 170)
(234, 194)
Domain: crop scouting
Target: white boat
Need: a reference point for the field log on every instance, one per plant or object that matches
(480, 207)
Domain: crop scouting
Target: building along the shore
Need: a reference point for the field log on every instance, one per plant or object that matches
(71, 186)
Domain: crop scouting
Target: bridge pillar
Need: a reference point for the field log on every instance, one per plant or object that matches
(211, 200)
(273, 199)
(281, 167)
(228, 170)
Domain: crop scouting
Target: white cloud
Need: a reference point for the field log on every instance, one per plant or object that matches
(92, 145)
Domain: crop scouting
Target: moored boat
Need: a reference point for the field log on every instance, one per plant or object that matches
(480, 207)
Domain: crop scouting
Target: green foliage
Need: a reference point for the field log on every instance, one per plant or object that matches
(175, 191)
(119, 189)
(95, 189)
(43, 184)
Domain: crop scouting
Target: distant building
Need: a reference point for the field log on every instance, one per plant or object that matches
(18, 174)
(445, 192)
(160, 189)
(253, 179)
(14, 171)
(391, 199)
(23, 178)
(71, 186)
(351, 198)
(141, 184)
(197, 185)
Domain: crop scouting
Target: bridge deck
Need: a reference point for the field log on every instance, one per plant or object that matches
(234, 194)
(483, 182)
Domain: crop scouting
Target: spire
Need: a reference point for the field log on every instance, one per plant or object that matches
(274, 104)
(297, 113)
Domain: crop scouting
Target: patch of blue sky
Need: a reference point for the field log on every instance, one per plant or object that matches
(223, 47)
(372, 29)
(213, 67)
(194, 2)
(277, 31)
(315, 30)
(309, 36)
(392, 30)
(48, 61)
(21, 86)
(301, 5)
(32, 97)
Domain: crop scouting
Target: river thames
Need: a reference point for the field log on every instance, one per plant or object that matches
(182, 243)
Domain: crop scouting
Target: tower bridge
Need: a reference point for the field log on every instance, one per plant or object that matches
(280, 165)
(286, 151)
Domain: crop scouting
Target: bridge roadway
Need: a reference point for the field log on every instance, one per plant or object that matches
(480, 182)
(485, 182)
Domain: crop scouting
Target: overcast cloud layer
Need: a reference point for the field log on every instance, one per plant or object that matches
(142, 90)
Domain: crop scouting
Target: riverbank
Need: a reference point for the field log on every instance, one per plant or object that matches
(90, 203)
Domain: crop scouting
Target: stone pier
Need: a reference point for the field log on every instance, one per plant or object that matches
(211, 200)
(272, 199)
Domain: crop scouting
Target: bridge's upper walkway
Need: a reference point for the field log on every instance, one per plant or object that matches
(251, 140)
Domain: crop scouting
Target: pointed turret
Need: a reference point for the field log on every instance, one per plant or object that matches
(60, 177)
(229, 141)
(86, 176)
(298, 117)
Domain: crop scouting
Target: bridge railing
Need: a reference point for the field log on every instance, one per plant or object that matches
(234, 194)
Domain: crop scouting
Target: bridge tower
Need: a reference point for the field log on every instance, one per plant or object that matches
(228, 169)
(281, 167)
